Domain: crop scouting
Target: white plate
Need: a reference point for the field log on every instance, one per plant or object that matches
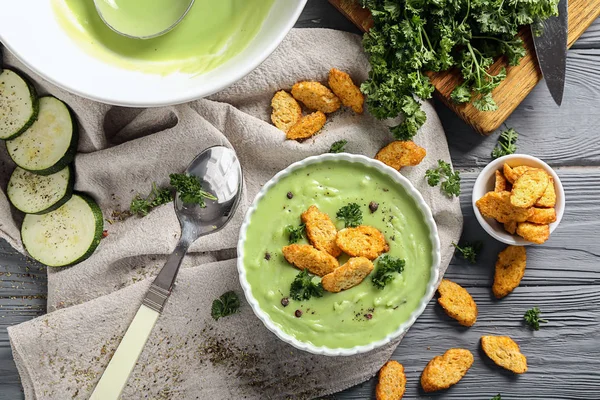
(427, 218)
(29, 30)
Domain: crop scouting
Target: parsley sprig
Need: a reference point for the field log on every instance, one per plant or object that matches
(410, 38)
(303, 287)
(338, 147)
(507, 143)
(386, 267)
(190, 189)
(497, 397)
(532, 318)
(227, 304)
(351, 214)
(295, 234)
(141, 206)
(443, 173)
(469, 250)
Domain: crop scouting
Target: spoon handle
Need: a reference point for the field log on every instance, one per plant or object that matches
(121, 364)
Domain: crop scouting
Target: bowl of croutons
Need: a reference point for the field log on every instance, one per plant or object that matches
(519, 200)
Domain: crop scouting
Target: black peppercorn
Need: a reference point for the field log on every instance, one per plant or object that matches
(298, 313)
(285, 301)
(290, 195)
(368, 316)
(267, 256)
(373, 206)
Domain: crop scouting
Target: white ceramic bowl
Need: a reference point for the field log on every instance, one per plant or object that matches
(427, 218)
(29, 30)
(485, 183)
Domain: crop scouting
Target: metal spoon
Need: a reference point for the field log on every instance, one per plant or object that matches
(133, 33)
(220, 173)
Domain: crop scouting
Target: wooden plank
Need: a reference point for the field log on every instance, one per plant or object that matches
(563, 356)
(520, 79)
(590, 38)
(569, 132)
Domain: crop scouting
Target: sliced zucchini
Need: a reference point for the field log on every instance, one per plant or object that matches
(50, 143)
(18, 104)
(65, 236)
(39, 194)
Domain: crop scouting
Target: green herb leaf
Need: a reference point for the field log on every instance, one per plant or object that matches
(338, 147)
(142, 206)
(227, 304)
(386, 267)
(507, 143)
(412, 37)
(295, 234)
(532, 318)
(190, 190)
(469, 250)
(497, 397)
(443, 173)
(303, 287)
(351, 214)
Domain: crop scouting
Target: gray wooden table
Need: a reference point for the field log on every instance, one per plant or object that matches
(562, 277)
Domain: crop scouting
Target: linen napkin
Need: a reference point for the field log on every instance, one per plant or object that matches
(189, 355)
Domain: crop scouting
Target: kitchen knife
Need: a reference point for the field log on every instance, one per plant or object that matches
(551, 50)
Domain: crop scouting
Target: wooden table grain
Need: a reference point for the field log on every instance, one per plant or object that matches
(562, 277)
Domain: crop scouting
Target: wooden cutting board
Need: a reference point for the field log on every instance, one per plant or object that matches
(520, 80)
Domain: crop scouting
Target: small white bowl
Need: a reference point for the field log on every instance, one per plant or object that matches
(485, 183)
(433, 236)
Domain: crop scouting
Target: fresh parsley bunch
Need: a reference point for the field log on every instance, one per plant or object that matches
(411, 37)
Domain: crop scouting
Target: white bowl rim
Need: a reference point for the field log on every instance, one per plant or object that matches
(433, 236)
(506, 237)
(173, 99)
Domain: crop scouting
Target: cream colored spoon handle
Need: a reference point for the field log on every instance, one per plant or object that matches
(119, 368)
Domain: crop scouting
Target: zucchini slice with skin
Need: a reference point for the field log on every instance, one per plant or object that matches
(65, 236)
(39, 194)
(50, 143)
(19, 104)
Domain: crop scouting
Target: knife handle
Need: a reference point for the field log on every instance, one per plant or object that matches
(119, 368)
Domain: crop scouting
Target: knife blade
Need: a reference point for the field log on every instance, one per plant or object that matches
(551, 50)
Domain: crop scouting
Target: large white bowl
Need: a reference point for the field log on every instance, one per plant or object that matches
(427, 218)
(29, 30)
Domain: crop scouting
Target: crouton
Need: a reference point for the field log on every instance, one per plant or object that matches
(511, 227)
(457, 302)
(497, 205)
(286, 110)
(543, 215)
(529, 188)
(446, 370)
(535, 233)
(501, 184)
(307, 126)
(316, 96)
(400, 154)
(512, 174)
(348, 275)
(392, 382)
(341, 84)
(304, 256)
(510, 268)
(321, 231)
(548, 199)
(362, 241)
(504, 352)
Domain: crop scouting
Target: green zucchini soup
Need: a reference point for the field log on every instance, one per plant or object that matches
(212, 32)
(364, 313)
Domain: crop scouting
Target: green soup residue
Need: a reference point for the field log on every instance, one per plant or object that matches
(362, 314)
(212, 32)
